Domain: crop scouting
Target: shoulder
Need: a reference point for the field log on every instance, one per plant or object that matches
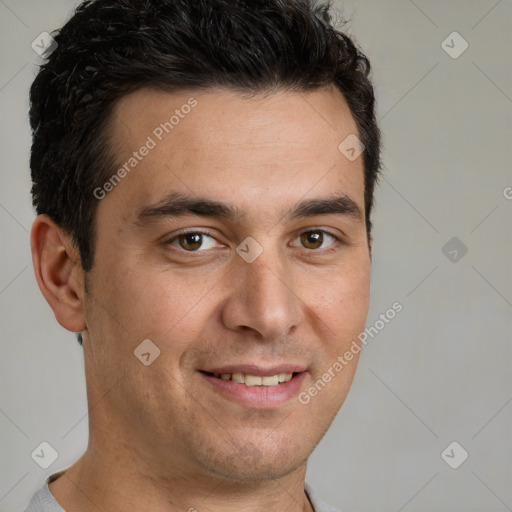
(318, 504)
(43, 500)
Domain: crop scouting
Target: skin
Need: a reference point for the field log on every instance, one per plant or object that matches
(160, 438)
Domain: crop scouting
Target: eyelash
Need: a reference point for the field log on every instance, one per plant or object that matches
(334, 246)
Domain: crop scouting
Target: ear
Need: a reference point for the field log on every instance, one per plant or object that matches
(58, 271)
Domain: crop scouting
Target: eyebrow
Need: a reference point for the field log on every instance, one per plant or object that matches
(178, 205)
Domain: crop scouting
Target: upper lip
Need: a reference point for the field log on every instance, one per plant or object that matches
(256, 370)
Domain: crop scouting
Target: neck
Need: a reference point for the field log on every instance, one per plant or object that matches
(126, 469)
(112, 479)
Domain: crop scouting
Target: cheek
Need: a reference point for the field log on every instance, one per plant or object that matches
(163, 306)
(342, 304)
(355, 297)
(341, 313)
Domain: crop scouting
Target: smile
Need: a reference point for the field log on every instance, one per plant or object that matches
(271, 389)
(254, 380)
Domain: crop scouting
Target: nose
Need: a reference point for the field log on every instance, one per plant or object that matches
(262, 299)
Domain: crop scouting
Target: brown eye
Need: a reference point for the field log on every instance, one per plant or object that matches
(312, 239)
(190, 241)
(194, 241)
(318, 240)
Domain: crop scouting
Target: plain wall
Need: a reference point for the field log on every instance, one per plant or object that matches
(439, 372)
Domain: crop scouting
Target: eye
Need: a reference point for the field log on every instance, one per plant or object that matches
(316, 238)
(193, 241)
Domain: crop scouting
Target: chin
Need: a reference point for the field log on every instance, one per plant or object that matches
(256, 462)
(259, 472)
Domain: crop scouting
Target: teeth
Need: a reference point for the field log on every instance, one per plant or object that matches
(270, 381)
(254, 380)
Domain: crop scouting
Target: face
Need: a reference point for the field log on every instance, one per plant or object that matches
(236, 243)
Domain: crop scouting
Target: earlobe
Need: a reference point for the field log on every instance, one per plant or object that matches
(58, 272)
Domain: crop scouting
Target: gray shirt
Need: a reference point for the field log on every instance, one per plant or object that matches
(43, 500)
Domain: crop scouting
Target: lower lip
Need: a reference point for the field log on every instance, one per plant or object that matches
(257, 397)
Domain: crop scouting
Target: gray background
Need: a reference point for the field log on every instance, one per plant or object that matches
(437, 373)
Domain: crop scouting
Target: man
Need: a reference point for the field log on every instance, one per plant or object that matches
(203, 174)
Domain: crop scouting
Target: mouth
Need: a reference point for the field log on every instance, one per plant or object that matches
(254, 387)
(254, 380)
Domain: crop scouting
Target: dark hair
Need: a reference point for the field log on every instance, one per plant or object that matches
(112, 47)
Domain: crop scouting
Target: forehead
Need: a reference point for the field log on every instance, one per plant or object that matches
(265, 149)
(247, 119)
